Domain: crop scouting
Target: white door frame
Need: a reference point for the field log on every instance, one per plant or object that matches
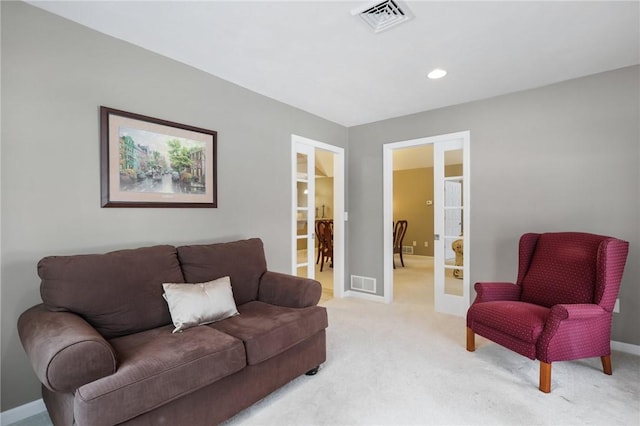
(387, 207)
(338, 208)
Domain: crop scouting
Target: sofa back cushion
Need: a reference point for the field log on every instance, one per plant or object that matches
(118, 293)
(243, 261)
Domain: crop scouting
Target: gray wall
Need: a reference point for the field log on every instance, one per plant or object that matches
(559, 158)
(55, 75)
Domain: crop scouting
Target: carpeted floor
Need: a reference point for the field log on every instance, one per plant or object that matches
(403, 364)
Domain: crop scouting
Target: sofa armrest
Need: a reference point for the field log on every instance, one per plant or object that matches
(289, 290)
(65, 351)
(492, 291)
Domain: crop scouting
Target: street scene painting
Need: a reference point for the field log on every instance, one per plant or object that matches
(156, 163)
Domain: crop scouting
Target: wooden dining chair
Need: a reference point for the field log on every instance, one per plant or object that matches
(319, 240)
(325, 230)
(399, 229)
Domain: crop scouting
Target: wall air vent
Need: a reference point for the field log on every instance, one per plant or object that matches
(363, 284)
(384, 15)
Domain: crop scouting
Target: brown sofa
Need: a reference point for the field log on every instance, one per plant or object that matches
(103, 348)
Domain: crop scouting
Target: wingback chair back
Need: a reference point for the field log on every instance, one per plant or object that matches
(563, 268)
(561, 305)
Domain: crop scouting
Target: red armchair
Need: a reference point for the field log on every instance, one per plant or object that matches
(560, 307)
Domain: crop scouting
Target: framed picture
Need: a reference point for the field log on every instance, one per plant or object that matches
(148, 162)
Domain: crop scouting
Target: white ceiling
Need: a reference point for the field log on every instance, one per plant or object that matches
(320, 58)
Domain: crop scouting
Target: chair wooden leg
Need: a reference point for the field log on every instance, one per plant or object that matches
(606, 364)
(545, 376)
(471, 340)
(401, 259)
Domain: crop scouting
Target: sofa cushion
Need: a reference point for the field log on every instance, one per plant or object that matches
(243, 261)
(118, 293)
(154, 367)
(199, 304)
(268, 330)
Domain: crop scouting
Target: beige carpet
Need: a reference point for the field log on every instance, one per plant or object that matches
(404, 364)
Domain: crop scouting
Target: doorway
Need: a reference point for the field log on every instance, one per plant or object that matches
(317, 195)
(451, 212)
(413, 219)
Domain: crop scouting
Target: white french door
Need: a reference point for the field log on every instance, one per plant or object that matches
(304, 180)
(304, 212)
(451, 217)
(451, 176)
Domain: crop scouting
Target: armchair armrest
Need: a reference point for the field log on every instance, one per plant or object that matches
(492, 291)
(575, 312)
(574, 331)
(289, 290)
(65, 351)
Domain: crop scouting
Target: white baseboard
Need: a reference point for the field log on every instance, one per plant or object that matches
(365, 296)
(22, 412)
(625, 347)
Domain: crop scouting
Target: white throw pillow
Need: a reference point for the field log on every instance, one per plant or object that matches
(198, 304)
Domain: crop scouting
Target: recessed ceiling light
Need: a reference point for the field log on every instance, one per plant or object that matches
(436, 74)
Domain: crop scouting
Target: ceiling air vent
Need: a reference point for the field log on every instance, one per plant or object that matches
(383, 15)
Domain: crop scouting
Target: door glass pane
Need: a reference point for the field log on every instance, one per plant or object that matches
(452, 286)
(453, 222)
(302, 272)
(301, 226)
(449, 253)
(303, 191)
(454, 262)
(453, 163)
(453, 193)
(303, 172)
(454, 249)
